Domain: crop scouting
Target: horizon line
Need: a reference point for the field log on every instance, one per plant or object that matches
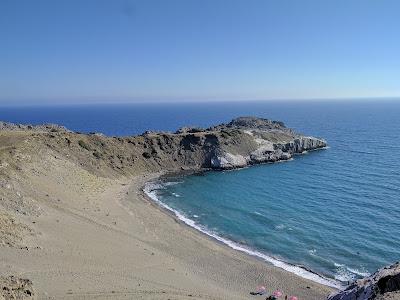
(195, 101)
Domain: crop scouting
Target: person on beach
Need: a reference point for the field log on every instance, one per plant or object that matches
(261, 290)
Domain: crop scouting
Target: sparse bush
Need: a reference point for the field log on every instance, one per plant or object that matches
(97, 154)
(146, 155)
(83, 144)
(225, 134)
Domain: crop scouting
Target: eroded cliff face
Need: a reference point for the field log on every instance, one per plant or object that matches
(384, 284)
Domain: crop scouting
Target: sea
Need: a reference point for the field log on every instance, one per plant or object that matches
(331, 215)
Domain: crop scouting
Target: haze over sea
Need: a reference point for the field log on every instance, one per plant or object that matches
(334, 211)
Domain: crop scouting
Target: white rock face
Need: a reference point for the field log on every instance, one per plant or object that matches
(267, 151)
(302, 144)
(264, 154)
(267, 145)
(248, 132)
(228, 161)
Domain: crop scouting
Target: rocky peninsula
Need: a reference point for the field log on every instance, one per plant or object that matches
(75, 223)
(243, 141)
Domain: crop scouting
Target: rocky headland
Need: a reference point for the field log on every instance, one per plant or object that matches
(243, 141)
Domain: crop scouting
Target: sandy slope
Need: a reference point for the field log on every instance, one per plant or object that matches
(109, 251)
(83, 236)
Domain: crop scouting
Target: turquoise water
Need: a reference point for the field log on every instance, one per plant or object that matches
(334, 211)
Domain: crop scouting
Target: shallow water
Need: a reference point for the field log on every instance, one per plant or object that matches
(334, 211)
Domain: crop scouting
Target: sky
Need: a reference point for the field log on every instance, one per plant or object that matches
(55, 51)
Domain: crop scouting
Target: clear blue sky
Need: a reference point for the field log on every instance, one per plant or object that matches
(120, 50)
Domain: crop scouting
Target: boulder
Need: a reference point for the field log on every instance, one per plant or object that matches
(228, 161)
(12, 287)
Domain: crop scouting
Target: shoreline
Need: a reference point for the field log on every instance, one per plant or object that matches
(298, 270)
(270, 268)
(122, 245)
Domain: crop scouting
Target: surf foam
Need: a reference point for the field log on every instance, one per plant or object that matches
(150, 190)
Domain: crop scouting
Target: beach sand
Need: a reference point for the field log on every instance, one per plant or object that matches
(122, 246)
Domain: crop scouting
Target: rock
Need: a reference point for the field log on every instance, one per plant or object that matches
(99, 134)
(185, 130)
(257, 140)
(12, 231)
(261, 156)
(12, 287)
(254, 122)
(381, 285)
(152, 132)
(228, 161)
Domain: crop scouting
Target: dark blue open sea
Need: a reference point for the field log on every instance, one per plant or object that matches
(334, 211)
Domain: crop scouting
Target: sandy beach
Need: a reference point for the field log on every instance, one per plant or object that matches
(122, 246)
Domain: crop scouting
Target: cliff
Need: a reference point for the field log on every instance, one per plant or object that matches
(384, 284)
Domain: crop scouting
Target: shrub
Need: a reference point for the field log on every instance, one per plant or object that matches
(146, 155)
(97, 154)
(83, 144)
